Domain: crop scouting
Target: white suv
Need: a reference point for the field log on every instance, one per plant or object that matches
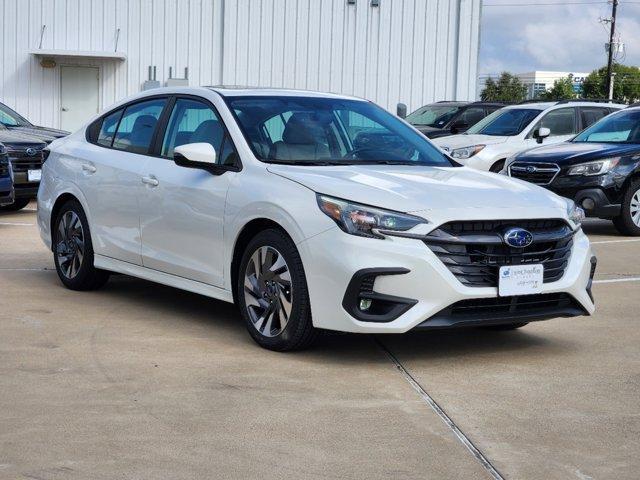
(309, 211)
(516, 128)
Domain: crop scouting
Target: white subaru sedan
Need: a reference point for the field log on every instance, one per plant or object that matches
(310, 211)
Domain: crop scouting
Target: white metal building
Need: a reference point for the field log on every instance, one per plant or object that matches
(63, 60)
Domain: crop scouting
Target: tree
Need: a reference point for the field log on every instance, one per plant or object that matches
(508, 88)
(626, 84)
(562, 90)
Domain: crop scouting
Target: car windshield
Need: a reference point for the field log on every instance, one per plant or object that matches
(11, 118)
(329, 131)
(433, 115)
(622, 127)
(506, 122)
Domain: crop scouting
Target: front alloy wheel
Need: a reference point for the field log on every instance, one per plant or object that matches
(628, 223)
(272, 293)
(267, 291)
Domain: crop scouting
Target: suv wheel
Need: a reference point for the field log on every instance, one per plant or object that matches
(272, 293)
(628, 223)
(15, 206)
(73, 250)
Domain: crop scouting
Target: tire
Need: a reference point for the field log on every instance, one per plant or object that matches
(497, 167)
(628, 223)
(505, 327)
(19, 204)
(73, 250)
(274, 302)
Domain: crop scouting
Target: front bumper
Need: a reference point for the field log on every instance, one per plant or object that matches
(332, 259)
(24, 188)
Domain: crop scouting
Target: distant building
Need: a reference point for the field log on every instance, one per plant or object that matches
(539, 81)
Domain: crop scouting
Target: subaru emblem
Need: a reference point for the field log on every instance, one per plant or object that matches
(531, 169)
(518, 238)
(31, 151)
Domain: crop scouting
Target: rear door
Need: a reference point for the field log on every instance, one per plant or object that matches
(110, 173)
(182, 211)
(590, 115)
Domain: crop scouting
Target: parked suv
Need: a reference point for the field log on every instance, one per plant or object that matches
(515, 128)
(16, 122)
(600, 169)
(25, 155)
(309, 211)
(6, 181)
(450, 118)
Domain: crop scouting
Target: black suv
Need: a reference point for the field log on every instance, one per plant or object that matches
(599, 169)
(450, 118)
(17, 123)
(25, 154)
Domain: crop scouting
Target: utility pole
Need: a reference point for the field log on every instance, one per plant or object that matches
(614, 10)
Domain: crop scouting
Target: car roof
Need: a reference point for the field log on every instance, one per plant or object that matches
(535, 105)
(242, 91)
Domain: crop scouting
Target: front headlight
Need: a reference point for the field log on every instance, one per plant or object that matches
(575, 213)
(365, 221)
(594, 168)
(466, 152)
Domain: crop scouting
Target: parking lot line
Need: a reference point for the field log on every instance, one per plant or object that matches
(18, 224)
(486, 464)
(600, 242)
(618, 280)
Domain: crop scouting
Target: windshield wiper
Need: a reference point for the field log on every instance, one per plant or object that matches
(315, 163)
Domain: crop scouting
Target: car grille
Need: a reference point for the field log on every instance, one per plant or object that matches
(474, 251)
(538, 173)
(523, 304)
(21, 162)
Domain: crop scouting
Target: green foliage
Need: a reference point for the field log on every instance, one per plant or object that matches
(562, 90)
(626, 85)
(508, 88)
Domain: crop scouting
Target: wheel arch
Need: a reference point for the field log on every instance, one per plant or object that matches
(246, 233)
(57, 205)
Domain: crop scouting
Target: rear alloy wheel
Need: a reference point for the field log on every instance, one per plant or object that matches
(628, 223)
(272, 293)
(73, 250)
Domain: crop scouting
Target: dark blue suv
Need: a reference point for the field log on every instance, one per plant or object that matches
(599, 169)
(6, 180)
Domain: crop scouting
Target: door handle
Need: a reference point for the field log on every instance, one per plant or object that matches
(151, 181)
(64, 109)
(88, 168)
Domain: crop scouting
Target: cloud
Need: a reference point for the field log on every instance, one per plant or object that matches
(563, 38)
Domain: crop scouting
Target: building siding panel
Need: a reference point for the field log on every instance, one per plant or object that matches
(410, 51)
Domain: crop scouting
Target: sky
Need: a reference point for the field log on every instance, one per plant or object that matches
(565, 36)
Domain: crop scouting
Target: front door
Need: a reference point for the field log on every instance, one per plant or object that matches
(182, 211)
(79, 100)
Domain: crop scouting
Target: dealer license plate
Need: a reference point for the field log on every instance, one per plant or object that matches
(520, 280)
(34, 175)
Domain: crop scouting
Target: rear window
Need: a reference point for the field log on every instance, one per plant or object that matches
(108, 128)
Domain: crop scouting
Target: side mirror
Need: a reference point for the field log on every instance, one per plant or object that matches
(541, 133)
(401, 110)
(195, 155)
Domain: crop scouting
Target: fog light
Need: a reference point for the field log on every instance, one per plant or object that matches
(365, 303)
(588, 203)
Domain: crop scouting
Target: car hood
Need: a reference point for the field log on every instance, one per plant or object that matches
(41, 133)
(415, 189)
(458, 141)
(13, 138)
(570, 153)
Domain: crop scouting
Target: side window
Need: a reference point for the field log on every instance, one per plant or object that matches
(137, 126)
(193, 121)
(472, 115)
(108, 128)
(591, 115)
(560, 122)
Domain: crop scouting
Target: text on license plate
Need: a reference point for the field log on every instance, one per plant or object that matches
(520, 280)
